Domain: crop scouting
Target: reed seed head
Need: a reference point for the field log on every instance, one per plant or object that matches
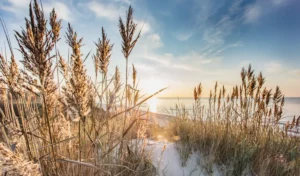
(134, 73)
(55, 25)
(277, 97)
(35, 44)
(104, 49)
(117, 80)
(76, 90)
(127, 32)
(195, 94)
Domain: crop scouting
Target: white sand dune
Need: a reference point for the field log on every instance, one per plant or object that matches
(166, 159)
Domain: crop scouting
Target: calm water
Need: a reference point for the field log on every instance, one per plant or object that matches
(166, 105)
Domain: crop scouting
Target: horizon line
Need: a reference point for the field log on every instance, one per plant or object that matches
(208, 97)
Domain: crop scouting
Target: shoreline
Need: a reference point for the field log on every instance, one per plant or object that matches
(156, 118)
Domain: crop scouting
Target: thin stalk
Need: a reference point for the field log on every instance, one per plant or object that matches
(57, 71)
(107, 101)
(23, 130)
(49, 131)
(125, 118)
(79, 146)
(95, 143)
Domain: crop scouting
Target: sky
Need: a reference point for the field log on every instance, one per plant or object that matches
(184, 42)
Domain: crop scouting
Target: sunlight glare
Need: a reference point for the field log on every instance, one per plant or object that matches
(153, 105)
(151, 86)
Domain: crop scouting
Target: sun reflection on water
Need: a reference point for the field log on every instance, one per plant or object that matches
(153, 105)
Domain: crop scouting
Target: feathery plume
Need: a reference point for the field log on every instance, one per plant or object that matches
(268, 96)
(104, 49)
(136, 97)
(36, 44)
(117, 82)
(63, 66)
(277, 97)
(250, 72)
(251, 86)
(260, 80)
(96, 65)
(127, 33)
(11, 76)
(76, 89)
(243, 75)
(195, 94)
(134, 72)
(223, 91)
(55, 25)
(199, 90)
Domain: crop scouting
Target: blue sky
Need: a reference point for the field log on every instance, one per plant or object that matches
(185, 42)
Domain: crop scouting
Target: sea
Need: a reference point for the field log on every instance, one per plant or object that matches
(167, 106)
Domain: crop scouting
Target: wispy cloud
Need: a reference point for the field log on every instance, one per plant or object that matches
(219, 25)
(143, 67)
(184, 36)
(128, 2)
(253, 13)
(19, 3)
(18, 7)
(296, 71)
(155, 40)
(183, 67)
(62, 10)
(144, 25)
(273, 67)
(104, 11)
(280, 2)
(218, 21)
(189, 62)
(234, 45)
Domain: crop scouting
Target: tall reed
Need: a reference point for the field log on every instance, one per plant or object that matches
(127, 32)
(68, 132)
(241, 131)
(35, 45)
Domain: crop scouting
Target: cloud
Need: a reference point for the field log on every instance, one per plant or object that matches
(279, 2)
(104, 11)
(205, 61)
(234, 45)
(219, 25)
(143, 67)
(297, 72)
(156, 58)
(218, 21)
(189, 62)
(19, 3)
(18, 7)
(273, 67)
(63, 12)
(184, 36)
(128, 2)
(183, 67)
(253, 13)
(144, 26)
(155, 40)
(223, 23)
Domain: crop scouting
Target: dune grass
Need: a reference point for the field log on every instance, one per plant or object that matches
(239, 132)
(72, 125)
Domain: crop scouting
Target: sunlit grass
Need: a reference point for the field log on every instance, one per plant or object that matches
(239, 130)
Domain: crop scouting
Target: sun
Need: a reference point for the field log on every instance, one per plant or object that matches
(152, 103)
(149, 87)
